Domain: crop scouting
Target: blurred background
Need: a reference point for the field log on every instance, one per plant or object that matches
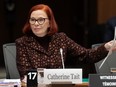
(84, 21)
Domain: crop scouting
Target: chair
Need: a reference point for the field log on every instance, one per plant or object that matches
(9, 53)
(108, 64)
(97, 64)
(96, 45)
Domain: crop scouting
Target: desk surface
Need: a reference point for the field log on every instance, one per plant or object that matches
(82, 85)
(85, 84)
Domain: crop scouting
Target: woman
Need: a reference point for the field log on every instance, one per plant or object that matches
(41, 45)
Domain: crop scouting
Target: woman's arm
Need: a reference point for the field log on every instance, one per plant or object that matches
(22, 61)
(89, 55)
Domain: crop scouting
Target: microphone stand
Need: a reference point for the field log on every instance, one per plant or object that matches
(61, 52)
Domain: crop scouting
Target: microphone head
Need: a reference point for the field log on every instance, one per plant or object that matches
(61, 50)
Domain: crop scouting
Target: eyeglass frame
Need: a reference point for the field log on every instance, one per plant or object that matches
(34, 20)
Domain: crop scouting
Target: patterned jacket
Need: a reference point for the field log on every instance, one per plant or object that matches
(31, 55)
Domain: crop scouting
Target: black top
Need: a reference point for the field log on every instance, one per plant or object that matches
(43, 41)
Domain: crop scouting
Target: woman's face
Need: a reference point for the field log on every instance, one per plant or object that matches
(39, 23)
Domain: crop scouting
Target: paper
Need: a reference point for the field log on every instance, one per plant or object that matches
(10, 82)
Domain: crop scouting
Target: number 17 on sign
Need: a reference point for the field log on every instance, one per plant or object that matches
(32, 78)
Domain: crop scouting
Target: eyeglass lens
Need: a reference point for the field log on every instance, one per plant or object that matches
(39, 20)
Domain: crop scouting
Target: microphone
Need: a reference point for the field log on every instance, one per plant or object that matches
(61, 52)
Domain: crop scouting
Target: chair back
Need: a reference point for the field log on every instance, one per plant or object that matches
(9, 53)
(96, 45)
(97, 64)
(108, 64)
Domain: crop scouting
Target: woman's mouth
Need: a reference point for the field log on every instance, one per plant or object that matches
(37, 28)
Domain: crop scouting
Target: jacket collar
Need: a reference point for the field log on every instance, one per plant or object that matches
(35, 45)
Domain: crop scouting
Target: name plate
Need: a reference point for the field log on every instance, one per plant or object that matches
(62, 76)
(102, 80)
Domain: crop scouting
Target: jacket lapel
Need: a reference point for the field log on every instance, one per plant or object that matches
(35, 45)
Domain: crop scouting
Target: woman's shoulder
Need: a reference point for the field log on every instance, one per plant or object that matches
(60, 34)
(22, 39)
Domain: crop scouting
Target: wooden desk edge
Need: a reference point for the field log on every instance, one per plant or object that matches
(85, 84)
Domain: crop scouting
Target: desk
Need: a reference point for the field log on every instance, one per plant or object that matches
(85, 84)
(70, 85)
(82, 85)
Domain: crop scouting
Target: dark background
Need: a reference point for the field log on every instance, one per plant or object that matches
(77, 18)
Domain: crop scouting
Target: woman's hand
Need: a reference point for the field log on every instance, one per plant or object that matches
(110, 44)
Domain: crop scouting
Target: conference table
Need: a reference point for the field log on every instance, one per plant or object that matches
(59, 85)
(84, 84)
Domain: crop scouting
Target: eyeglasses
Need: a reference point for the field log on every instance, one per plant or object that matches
(39, 20)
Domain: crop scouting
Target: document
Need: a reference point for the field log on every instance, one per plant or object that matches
(10, 82)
